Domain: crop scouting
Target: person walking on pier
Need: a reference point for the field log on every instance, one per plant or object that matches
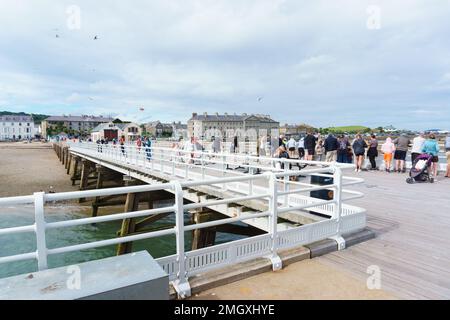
(138, 144)
(262, 146)
(331, 146)
(417, 146)
(401, 148)
(388, 148)
(319, 151)
(148, 146)
(359, 148)
(310, 146)
(291, 147)
(447, 154)
(301, 148)
(342, 152)
(432, 148)
(372, 152)
(216, 145)
(122, 145)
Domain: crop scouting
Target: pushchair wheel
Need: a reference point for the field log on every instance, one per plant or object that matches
(410, 180)
(431, 180)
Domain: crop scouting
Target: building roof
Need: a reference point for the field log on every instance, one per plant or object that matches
(231, 117)
(15, 118)
(120, 126)
(84, 118)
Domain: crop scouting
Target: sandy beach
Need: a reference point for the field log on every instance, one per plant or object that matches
(31, 167)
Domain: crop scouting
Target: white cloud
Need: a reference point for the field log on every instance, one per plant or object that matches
(313, 61)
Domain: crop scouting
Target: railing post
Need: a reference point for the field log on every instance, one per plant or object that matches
(273, 220)
(286, 182)
(203, 167)
(39, 224)
(337, 214)
(181, 285)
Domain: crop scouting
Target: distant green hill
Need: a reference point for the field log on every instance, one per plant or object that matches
(349, 129)
(36, 117)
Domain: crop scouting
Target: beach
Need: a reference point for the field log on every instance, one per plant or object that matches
(31, 167)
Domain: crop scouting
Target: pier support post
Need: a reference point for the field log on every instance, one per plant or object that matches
(128, 225)
(74, 169)
(66, 158)
(85, 170)
(69, 163)
(205, 237)
(100, 177)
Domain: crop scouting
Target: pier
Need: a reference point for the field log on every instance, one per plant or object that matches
(276, 203)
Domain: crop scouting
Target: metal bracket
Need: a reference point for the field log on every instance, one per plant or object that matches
(277, 264)
(340, 242)
(183, 288)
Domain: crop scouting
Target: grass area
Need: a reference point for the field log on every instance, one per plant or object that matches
(349, 129)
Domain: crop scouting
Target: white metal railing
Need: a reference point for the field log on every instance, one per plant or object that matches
(182, 265)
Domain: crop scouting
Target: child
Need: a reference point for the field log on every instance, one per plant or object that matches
(388, 148)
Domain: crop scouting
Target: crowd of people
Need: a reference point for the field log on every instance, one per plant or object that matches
(341, 149)
(314, 147)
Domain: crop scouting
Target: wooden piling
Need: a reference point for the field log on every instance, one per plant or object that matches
(204, 237)
(85, 170)
(74, 169)
(128, 225)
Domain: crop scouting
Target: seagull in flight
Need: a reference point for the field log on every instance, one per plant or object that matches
(95, 38)
(260, 99)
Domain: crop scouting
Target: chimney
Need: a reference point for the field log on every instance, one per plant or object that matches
(226, 114)
(217, 114)
(194, 114)
(205, 114)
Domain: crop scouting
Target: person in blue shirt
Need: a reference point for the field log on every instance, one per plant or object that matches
(432, 148)
(148, 145)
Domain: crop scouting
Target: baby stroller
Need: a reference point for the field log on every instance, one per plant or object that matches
(420, 170)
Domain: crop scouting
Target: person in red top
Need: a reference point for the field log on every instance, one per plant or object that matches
(122, 144)
(139, 143)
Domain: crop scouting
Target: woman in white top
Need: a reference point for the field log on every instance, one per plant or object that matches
(301, 148)
(291, 147)
(417, 146)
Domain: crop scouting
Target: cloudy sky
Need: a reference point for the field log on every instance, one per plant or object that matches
(326, 63)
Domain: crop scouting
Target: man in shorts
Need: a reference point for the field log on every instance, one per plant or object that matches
(401, 148)
(310, 146)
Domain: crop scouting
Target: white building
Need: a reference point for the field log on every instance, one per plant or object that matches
(16, 127)
(198, 125)
(129, 130)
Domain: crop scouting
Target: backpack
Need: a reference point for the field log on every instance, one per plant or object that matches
(342, 145)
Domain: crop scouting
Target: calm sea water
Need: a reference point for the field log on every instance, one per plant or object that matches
(23, 243)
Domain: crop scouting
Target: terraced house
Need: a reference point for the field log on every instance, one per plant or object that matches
(16, 128)
(74, 125)
(198, 125)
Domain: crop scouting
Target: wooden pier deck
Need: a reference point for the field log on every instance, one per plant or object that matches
(412, 250)
(412, 246)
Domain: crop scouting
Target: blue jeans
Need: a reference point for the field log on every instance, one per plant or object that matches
(342, 157)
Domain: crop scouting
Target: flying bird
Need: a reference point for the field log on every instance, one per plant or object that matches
(141, 109)
(95, 38)
(260, 99)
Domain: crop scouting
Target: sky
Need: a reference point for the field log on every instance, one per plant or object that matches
(324, 63)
